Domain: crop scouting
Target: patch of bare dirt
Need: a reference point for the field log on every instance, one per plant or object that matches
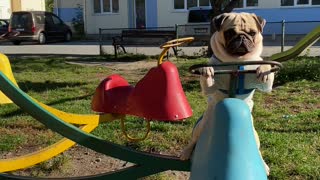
(82, 161)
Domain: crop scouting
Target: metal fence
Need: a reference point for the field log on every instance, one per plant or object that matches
(200, 31)
(287, 32)
(106, 35)
(278, 33)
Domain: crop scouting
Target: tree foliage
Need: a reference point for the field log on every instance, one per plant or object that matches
(222, 6)
(77, 21)
(49, 5)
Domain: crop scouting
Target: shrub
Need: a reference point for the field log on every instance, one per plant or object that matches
(298, 69)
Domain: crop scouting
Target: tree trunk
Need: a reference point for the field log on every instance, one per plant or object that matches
(218, 7)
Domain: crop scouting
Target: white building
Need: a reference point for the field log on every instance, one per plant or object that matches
(9, 6)
(301, 15)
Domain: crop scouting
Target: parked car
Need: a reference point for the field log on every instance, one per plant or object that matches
(38, 26)
(4, 24)
(198, 24)
(199, 14)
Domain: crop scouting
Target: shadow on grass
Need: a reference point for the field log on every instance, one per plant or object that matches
(111, 58)
(191, 57)
(38, 64)
(41, 87)
(21, 126)
(60, 101)
(57, 63)
(310, 129)
(191, 85)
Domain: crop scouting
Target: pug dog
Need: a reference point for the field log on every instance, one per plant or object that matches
(237, 38)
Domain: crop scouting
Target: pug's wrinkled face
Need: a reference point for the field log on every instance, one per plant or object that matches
(239, 42)
(238, 34)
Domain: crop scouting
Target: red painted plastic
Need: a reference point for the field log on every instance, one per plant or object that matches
(157, 96)
(111, 95)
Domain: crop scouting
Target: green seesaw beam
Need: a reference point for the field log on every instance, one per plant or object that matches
(87, 122)
(303, 44)
(147, 163)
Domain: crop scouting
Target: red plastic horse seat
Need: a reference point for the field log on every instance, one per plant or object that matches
(157, 96)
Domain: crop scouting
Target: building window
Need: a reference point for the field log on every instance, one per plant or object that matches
(287, 2)
(96, 6)
(178, 4)
(299, 2)
(186, 4)
(106, 6)
(252, 3)
(246, 3)
(239, 4)
(315, 2)
(191, 3)
(302, 2)
(204, 3)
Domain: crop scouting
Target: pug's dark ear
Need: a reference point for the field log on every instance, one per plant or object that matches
(260, 22)
(218, 20)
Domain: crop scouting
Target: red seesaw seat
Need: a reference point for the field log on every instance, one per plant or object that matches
(157, 96)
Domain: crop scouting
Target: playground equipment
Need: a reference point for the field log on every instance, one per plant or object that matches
(232, 162)
(146, 163)
(226, 148)
(303, 44)
(87, 123)
(157, 96)
(58, 121)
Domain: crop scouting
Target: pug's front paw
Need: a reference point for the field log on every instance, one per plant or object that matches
(263, 73)
(207, 71)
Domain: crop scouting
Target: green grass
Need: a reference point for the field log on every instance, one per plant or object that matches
(287, 119)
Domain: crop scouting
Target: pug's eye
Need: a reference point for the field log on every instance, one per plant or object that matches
(229, 33)
(252, 33)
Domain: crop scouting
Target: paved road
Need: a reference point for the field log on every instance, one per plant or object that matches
(92, 48)
(72, 48)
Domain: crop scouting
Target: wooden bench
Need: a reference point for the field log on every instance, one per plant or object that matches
(142, 37)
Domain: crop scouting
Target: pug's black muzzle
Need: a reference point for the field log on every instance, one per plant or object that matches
(240, 45)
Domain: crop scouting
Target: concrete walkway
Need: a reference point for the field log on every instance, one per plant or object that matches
(92, 48)
(198, 50)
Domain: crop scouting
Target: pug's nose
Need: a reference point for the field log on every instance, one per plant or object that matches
(244, 42)
(241, 38)
(239, 43)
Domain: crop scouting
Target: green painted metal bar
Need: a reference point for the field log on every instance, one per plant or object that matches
(303, 44)
(88, 140)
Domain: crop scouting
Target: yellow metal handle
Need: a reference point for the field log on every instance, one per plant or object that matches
(132, 139)
(173, 43)
(176, 42)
